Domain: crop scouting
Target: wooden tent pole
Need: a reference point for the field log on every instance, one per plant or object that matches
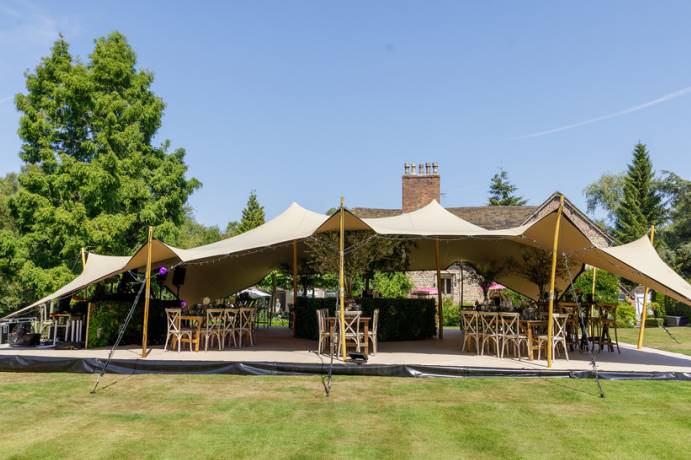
(147, 294)
(295, 283)
(341, 279)
(552, 280)
(440, 331)
(644, 312)
(88, 306)
(592, 302)
(462, 287)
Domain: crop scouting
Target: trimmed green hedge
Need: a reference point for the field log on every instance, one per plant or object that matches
(107, 315)
(654, 322)
(306, 315)
(674, 308)
(399, 319)
(403, 319)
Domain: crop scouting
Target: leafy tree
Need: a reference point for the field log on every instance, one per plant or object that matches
(485, 274)
(252, 215)
(605, 193)
(536, 265)
(501, 191)
(193, 234)
(606, 285)
(677, 235)
(231, 229)
(91, 176)
(641, 204)
(8, 187)
(365, 255)
(392, 284)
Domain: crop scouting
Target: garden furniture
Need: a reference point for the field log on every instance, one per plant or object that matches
(471, 329)
(372, 333)
(510, 333)
(245, 325)
(558, 335)
(324, 334)
(490, 331)
(355, 319)
(175, 329)
(214, 327)
(230, 325)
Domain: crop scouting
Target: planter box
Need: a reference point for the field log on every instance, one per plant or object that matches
(675, 321)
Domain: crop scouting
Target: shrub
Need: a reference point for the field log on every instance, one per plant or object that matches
(658, 310)
(626, 315)
(451, 313)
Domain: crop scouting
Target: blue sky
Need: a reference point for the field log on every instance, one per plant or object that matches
(306, 101)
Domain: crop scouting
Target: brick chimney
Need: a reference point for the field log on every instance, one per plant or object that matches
(421, 185)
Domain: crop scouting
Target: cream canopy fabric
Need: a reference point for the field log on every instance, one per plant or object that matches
(229, 265)
(431, 220)
(638, 261)
(97, 269)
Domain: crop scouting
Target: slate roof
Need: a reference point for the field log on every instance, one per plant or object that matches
(489, 217)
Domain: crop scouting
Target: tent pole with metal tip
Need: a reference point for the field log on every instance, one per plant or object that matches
(145, 325)
(341, 280)
(440, 315)
(644, 311)
(553, 273)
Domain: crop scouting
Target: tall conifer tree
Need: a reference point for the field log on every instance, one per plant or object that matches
(252, 215)
(641, 205)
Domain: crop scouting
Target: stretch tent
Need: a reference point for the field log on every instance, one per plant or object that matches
(229, 265)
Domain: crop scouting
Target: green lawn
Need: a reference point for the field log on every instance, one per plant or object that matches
(53, 415)
(656, 337)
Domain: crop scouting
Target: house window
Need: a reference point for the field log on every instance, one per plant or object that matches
(447, 285)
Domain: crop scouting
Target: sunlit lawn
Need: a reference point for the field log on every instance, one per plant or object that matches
(656, 337)
(213, 416)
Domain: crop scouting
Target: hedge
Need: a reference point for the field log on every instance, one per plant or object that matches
(403, 319)
(674, 308)
(306, 315)
(654, 322)
(399, 319)
(108, 315)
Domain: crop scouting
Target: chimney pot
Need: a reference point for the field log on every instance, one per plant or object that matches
(421, 186)
(406, 168)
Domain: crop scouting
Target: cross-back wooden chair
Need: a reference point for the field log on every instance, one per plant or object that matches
(324, 333)
(214, 327)
(489, 325)
(471, 330)
(511, 334)
(230, 331)
(372, 332)
(175, 330)
(559, 336)
(245, 325)
(351, 328)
